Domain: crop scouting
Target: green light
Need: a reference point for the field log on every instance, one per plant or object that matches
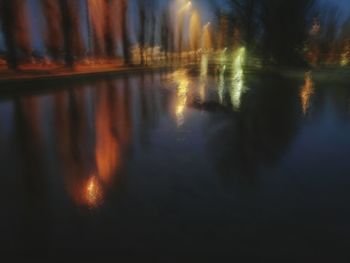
(238, 77)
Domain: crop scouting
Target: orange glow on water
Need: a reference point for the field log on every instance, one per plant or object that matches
(107, 148)
(182, 101)
(182, 81)
(91, 172)
(93, 194)
(306, 92)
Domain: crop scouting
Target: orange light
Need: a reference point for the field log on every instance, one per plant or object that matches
(93, 192)
(107, 147)
(306, 92)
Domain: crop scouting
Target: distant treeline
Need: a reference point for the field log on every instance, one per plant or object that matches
(296, 32)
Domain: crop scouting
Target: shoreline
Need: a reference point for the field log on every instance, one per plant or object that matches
(41, 75)
(26, 76)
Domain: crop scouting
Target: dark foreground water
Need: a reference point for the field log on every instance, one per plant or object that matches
(169, 164)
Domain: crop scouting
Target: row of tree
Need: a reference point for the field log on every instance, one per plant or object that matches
(280, 32)
(286, 32)
(62, 27)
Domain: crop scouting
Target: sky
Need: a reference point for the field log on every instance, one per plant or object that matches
(344, 6)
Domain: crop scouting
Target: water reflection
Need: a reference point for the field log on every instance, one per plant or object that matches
(221, 84)
(96, 126)
(203, 77)
(259, 127)
(222, 71)
(182, 80)
(107, 152)
(237, 78)
(307, 90)
(91, 135)
(259, 133)
(31, 164)
(204, 67)
(100, 162)
(93, 193)
(75, 141)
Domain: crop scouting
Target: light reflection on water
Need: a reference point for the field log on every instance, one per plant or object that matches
(93, 194)
(238, 78)
(182, 81)
(221, 83)
(134, 161)
(307, 90)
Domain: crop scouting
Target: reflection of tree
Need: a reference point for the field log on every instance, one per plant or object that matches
(108, 149)
(332, 97)
(306, 92)
(148, 107)
(258, 134)
(71, 121)
(31, 162)
(93, 141)
(92, 132)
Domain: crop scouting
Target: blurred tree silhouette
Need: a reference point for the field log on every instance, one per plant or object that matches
(53, 33)
(247, 14)
(285, 29)
(276, 29)
(167, 33)
(290, 33)
(125, 32)
(13, 18)
(7, 16)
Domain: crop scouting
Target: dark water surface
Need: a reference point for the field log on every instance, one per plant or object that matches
(167, 164)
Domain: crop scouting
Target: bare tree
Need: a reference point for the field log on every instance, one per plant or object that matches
(53, 32)
(73, 45)
(13, 15)
(285, 29)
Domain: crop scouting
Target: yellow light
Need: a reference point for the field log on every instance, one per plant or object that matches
(185, 7)
(182, 81)
(204, 66)
(195, 31)
(182, 100)
(344, 59)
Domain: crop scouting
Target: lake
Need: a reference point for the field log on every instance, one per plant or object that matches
(170, 163)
